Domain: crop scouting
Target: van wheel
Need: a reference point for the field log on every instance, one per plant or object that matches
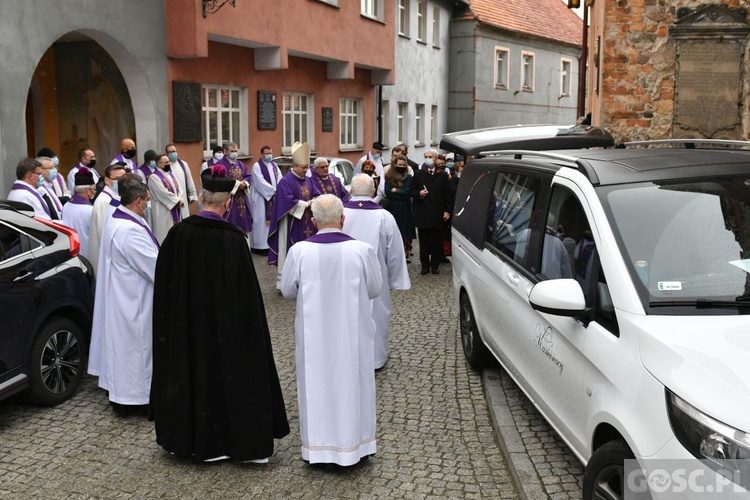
(57, 362)
(605, 473)
(475, 351)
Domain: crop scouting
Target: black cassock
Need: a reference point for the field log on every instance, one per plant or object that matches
(215, 390)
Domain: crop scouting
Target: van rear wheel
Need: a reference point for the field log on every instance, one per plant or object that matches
(475, 351)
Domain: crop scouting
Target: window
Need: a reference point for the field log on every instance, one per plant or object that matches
(297, 120)
(401, 125)
(403, 17)
(565, 77)
(350, 124)
(527, 72)
(434, 125)
(510, 220)
(14, 243)
(419, 123)
(436, 27)
(501, 68)
(385, 110)
(421, 20)
(373, 9)
(224, 116)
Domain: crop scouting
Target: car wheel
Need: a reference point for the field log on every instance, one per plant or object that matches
(604, 477)
(475, 351)
(57, 362)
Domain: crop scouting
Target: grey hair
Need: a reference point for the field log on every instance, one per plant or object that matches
(363, 185)
(215, 199)
(327, 210)
(80, 189)
(42, 159)
(231, 145)
(319, 160)
(131, 186)
(433, 151)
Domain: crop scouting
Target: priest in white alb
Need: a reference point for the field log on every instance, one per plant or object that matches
(266, 175)
(167, 198)
(104, 206)
(334, 348)
(367, 221)
(124, 301)
(26, 188)
(78, 210)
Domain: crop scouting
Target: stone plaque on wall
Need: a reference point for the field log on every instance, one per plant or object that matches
(186, 112)
(709, 86)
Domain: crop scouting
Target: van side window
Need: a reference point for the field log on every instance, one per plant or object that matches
(13, 242)
(510, 214)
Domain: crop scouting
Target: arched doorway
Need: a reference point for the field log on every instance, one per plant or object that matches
(78, 98)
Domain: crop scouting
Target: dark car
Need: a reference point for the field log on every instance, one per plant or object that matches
(46, 306)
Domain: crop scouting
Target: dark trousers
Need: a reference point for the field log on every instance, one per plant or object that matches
(430, 246)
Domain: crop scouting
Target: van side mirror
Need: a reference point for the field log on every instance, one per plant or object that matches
(561, 297)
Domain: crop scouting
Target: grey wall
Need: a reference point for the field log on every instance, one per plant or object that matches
(421, 78)
(132, 31)
(474, 52)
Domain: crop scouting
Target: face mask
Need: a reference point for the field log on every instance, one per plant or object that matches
(268, 158)
(52, 174)
(148, 209)
(114, 187)
(129, 154)
(400, 169)
(450, 165)
(152, 164)
(55, 161)
(233, 155)
(172, 156)
(218, 156)
(40, 182)
(167, 168)
(92, 163)
(429, 162)
(376, 156)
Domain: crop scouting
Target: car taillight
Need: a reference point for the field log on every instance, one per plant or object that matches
(72, 234)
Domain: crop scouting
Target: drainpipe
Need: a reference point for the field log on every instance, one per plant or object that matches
(583, 63)
(379, 118)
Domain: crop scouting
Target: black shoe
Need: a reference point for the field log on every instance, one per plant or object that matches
(445, 260)
(435, 271)
(424, 271)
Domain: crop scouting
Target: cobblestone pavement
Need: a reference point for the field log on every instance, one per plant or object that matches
(435, 436)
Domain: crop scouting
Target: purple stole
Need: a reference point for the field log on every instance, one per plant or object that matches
(332, 237)
(211, 215)
(362, 204)
(119, 214)
(126, 162)
(267, 176)
(239, 211)
(289, 190)
(326, 186)
(112, 201)
(60, 184)
(147, 172)
(174, 189)
(53, 198)
(28, 188)
(77, 199)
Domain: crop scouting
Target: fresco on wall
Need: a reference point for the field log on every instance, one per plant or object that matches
(94, 106)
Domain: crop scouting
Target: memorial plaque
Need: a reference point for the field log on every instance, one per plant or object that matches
(186, 112)
(266, 110)
(708, 87)
(327, 119)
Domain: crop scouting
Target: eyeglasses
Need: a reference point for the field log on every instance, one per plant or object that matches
(37, 173)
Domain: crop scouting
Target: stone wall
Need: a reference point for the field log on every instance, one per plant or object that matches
(638, 64)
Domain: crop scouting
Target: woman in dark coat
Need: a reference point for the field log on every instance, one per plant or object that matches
(398, 180)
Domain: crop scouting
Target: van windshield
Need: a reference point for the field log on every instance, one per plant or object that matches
(686, 242)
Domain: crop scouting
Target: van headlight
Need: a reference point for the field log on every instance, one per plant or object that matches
(719, 445)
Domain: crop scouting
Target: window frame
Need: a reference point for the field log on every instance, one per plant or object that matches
(436, 27)
(419, 117)
(566, 77)
(506, 77)
(242, 109)
(310, 120)
(434, 113)
(372, 9)
(401, 120)
(385, 107)
(404, 7)
(348, 117)
(532, 71)
(422, 21)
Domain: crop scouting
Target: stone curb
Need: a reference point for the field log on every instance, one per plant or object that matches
(527, 481)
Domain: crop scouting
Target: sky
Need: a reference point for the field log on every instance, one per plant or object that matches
(578, 11)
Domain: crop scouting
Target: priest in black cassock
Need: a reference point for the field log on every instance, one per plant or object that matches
(215, 392)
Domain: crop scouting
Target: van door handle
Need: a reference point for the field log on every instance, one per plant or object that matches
(514, 278)
(23, 276)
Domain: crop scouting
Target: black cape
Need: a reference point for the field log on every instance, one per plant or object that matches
(215, 389)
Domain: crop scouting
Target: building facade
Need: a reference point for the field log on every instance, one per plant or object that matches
(513, 63)
(677, 69)
(78, 75)
(415, 108)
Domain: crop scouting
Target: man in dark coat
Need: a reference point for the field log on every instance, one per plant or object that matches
(431, 194)
(215, 392)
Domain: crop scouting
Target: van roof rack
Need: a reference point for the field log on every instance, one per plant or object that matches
(582, 165)
(689, 143)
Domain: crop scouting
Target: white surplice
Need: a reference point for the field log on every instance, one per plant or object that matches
(99, 215)
(334, 347)
(378, 228)
(260, 191)
(78, 216)
(121, 332)
(34, 200)
(162, 202)
(71, 179)
(188, 193)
